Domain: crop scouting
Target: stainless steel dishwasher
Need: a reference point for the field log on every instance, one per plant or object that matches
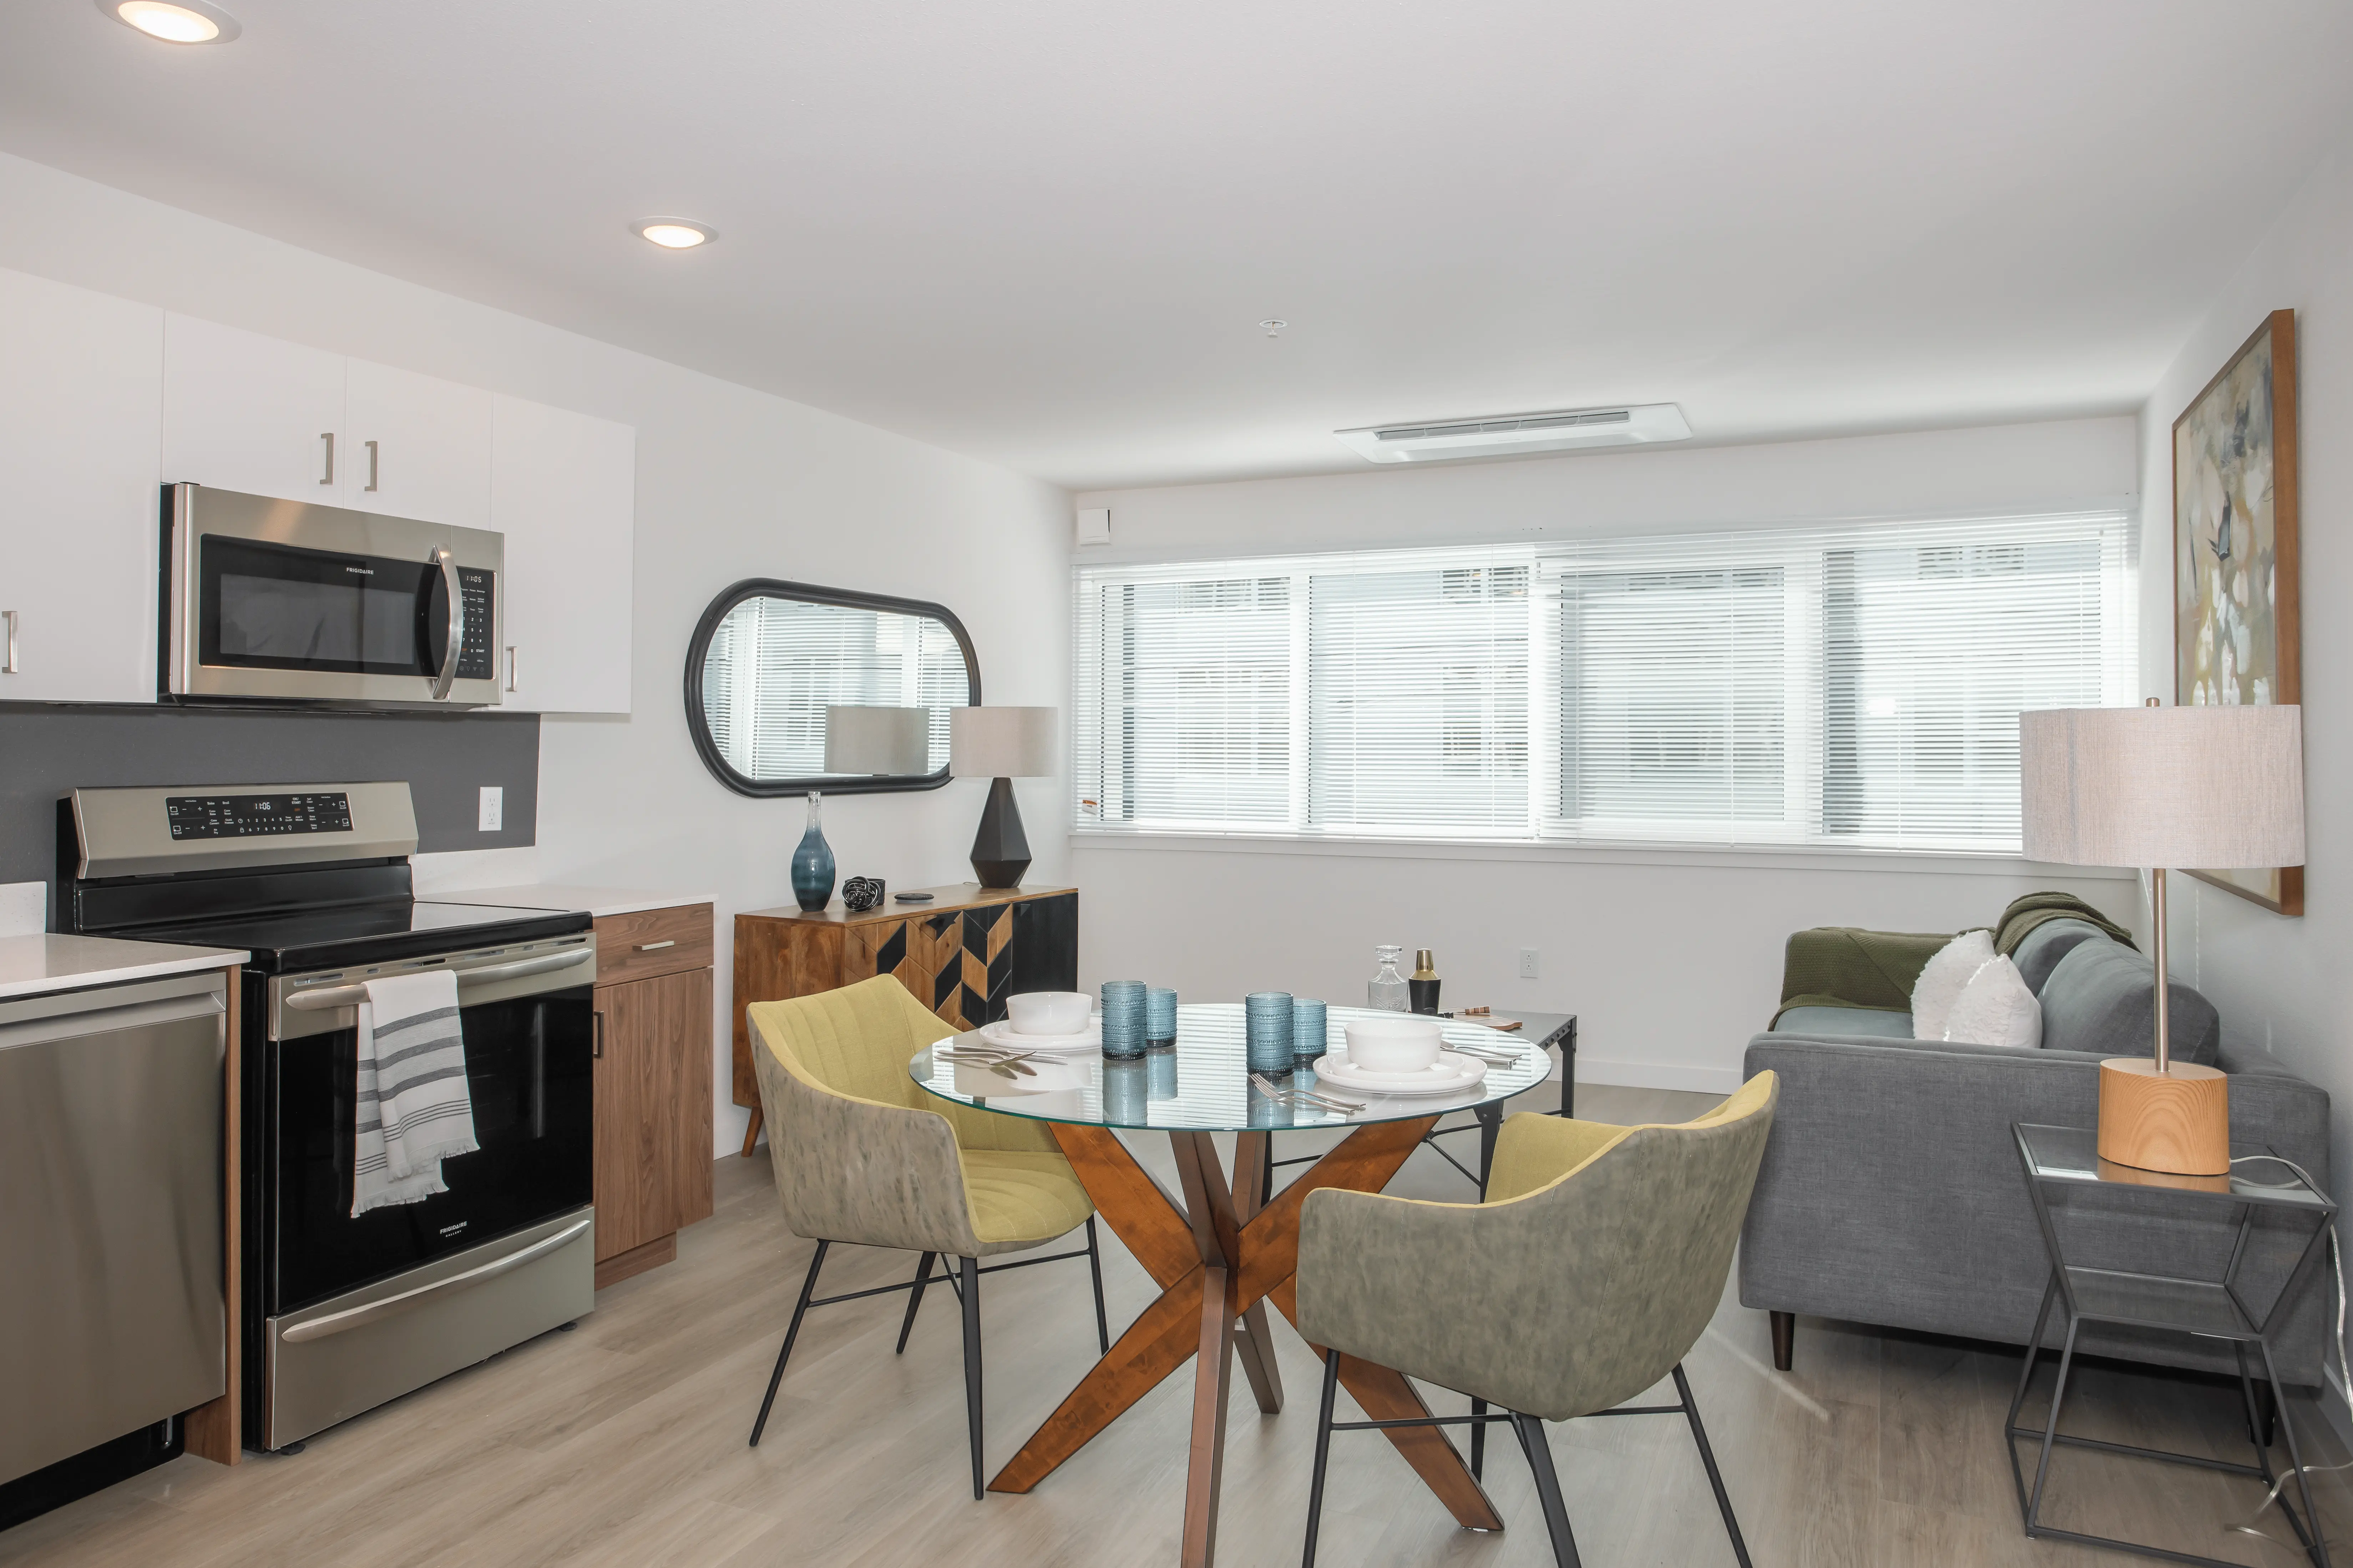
(112, 1313)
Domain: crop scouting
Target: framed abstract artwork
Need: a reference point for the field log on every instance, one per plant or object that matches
(2236, 628)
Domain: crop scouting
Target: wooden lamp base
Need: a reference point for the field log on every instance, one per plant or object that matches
(2177, 1122)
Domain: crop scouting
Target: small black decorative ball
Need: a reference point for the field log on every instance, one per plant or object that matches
(861, 893)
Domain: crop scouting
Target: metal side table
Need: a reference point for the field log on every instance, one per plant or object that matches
(2059, 1158)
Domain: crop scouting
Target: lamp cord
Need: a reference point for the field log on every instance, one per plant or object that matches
(2345, 1376)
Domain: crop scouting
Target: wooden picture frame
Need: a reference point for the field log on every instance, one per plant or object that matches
(2237, 622)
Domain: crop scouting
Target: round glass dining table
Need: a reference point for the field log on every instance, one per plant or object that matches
(1221, 1250)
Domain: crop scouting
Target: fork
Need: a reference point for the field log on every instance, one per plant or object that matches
(1274, 1090)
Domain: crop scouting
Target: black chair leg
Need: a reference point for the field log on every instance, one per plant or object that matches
(971, 1270)
(1323, 1453)
(1556, 1513)
(1707, 1457)
(1094, 1267)
(1478, 1442)
(800, 1309)
(914, 1300)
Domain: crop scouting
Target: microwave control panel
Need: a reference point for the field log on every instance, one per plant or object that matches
(257, 816)
(474, 657)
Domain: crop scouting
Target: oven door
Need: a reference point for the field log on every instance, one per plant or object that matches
(277, 599)
(525, 1012)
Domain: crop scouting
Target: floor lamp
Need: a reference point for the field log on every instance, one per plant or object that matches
(2161, 787)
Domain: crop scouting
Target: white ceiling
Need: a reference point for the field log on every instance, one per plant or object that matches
(1044, 234)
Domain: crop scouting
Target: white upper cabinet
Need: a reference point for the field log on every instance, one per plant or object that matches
(80, 389)
(563, 491)
(245, 412)
(416, 445)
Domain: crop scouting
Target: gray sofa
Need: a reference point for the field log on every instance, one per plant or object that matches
(1891, 1193)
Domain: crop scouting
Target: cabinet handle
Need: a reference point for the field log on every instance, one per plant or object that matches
(598, 1050)
(372, 464)
(656, 946)
(511, 667)
(8, 665)
(329, 437)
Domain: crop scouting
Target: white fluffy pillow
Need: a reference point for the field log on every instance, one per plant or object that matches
(1939, 985)
(1994, 1008)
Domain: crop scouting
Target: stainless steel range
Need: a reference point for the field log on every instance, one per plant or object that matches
(343, 1313)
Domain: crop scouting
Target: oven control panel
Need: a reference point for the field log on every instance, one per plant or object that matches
(257, 816)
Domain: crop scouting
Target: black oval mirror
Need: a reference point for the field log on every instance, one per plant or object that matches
(769, 658)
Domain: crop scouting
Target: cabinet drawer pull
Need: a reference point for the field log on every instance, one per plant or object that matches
(372, 464)
(329, 437)
(598, 1050)
(511, 667)
(655, 946)
(9, 664)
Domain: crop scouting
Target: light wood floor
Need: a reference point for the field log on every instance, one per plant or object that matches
(623, 1443)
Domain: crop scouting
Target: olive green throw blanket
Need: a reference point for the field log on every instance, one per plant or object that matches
(1841, 966)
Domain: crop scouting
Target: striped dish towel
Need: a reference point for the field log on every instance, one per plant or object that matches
(412, 1109)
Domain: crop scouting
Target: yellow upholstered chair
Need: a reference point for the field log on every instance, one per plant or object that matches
(863, 1156)
(1588, 1271)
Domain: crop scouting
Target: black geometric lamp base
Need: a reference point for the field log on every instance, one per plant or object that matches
(1000, 850)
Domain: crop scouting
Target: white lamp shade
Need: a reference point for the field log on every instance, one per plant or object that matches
(1000, 742)
(2215, 787)
(896, 741)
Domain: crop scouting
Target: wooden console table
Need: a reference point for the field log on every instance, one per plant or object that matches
(960, 955)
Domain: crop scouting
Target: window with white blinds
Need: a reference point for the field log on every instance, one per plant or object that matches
(775, 664)
(1857, 685)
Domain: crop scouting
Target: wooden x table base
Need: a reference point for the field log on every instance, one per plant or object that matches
(1219, 1258)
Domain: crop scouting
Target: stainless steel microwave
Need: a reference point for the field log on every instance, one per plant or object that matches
(280, 601)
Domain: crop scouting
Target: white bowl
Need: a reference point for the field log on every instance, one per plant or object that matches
(1049, 1011)
(1393, 1044)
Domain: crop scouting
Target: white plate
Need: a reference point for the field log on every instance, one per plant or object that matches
(1002, 1034)
(1450, 1075)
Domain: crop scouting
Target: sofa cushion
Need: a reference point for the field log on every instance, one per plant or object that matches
(2102, 998)
(1940, 982)
(1840, 1023)
(1994, 1008)
(2046, 945)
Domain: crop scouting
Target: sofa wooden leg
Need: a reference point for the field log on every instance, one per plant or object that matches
(1784, 1332)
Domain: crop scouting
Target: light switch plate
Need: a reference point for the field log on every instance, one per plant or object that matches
(493, 809)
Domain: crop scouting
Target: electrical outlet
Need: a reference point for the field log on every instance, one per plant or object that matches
(492, 811)
(1527, 963)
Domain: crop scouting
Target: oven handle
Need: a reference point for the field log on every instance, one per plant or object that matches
(442, 682)
(375, 1311)
(353, 995)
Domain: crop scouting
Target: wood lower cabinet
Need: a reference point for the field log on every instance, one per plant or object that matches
(652, 1084)
(961, 956)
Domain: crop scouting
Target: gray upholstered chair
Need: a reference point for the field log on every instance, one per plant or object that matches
(1592, 1266)
(863, 1156)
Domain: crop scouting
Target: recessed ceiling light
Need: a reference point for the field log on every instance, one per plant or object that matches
(1273, 325)
(674, 232)
(177, 22)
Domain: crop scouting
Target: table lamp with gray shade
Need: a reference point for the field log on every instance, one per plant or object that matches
(1000, 745)
(2156, 787)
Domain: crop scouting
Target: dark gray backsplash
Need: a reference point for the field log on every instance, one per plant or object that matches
(446, 757)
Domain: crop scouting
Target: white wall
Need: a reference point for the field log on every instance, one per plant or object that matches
(1671, 959)
(2283, 983)
(731, 483)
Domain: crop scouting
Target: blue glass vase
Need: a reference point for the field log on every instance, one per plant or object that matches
(813, 864)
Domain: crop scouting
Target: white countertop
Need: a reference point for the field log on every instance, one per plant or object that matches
(30, 965)
(598, 901)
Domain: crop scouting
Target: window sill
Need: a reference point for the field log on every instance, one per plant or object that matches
(1755, 858)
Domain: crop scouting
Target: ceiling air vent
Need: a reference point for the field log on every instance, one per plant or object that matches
(1563, 430)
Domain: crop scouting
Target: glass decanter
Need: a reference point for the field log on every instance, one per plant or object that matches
(1387, 989)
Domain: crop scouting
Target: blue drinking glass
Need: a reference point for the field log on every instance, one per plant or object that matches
(1159, 1017)
(1123, 1018)
(1307, 1032)
(1266, 1031)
